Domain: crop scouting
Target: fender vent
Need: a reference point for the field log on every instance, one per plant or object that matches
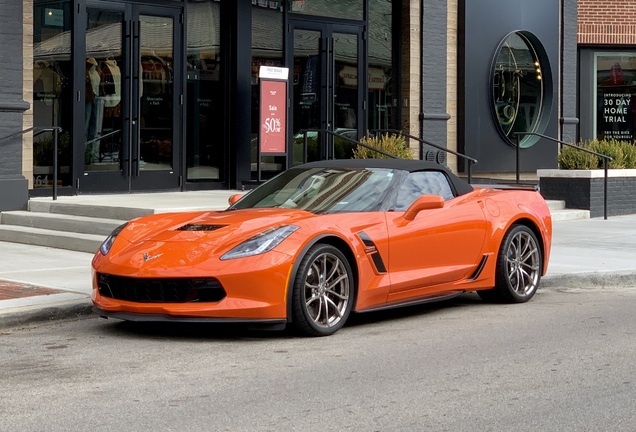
(200, 227)
(479, 269)
(373, 252)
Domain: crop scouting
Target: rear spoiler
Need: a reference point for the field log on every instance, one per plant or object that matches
(508, 186)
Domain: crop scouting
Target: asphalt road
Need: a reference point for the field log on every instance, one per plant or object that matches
(563, 362)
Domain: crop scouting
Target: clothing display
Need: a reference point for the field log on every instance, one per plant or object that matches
(47, 83)
(111, 83)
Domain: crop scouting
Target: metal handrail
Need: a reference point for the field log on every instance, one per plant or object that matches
(332, 133)
(469, 160)
(605, 158)
(56, 137)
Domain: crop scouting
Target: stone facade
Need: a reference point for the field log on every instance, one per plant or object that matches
(27, 64)
(13, 186)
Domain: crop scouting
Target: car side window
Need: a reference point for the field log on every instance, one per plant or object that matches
(423, 183)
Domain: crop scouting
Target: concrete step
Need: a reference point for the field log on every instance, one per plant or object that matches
(60, 222)
(50, 238)
(569, 214)
(555, 205)
(560, 213)
(88, 210)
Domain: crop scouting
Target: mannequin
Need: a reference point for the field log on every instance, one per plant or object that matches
(111, 83)
(94, 110)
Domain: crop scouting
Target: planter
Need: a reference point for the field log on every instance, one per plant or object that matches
(583, 189)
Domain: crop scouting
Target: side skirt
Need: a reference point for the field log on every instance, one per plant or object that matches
(418, 301)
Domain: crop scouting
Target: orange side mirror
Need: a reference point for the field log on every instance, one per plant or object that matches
(425, 202)
(234, 198)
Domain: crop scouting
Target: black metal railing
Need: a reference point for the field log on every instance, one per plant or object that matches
(606, 160)
(56, 139)
(331, 153)
(467, 159)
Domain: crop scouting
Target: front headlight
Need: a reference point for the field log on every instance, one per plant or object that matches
(108, 243)
(264, 242)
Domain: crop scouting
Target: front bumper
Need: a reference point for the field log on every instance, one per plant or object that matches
(144, 317)
(255, 289)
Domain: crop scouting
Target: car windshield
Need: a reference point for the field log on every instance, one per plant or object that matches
(323, 190)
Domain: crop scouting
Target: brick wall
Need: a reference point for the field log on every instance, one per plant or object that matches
(607, 22)
(587, 194)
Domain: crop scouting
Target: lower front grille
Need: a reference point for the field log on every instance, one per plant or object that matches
(205, 290)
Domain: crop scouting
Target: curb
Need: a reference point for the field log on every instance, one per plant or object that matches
(53, 312)
(589, 280)
(75, 309)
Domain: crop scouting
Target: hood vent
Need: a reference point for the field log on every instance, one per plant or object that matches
(200, 227)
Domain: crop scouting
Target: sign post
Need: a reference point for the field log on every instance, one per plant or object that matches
(272, 137)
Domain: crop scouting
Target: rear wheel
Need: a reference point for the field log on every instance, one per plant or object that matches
(323, 291)
(519, 266)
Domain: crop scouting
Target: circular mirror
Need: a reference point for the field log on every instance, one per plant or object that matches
(518, 87)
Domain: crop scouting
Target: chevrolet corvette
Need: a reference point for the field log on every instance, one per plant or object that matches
(323, 240)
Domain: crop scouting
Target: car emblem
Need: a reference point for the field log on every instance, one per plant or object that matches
(148, 257)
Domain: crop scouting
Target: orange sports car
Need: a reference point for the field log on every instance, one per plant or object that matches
(323, 240)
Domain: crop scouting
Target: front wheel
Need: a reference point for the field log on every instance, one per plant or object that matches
(519, 265)
(323, 291)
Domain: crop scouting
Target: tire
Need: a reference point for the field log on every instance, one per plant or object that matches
(323, 291)
(519, 265)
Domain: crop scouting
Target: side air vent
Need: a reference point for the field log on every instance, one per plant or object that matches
(200, 227)
(372, 250)
(479, 269)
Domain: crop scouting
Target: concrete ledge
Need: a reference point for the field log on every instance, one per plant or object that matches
(19, 316)
(589, 280)
(598, 173)
(586, 192)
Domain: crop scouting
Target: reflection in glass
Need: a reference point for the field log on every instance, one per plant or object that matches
(517, 88)
(306, 88)
(267, 50)
(345, 109)
(324, 190)
(52, 90)
(103, 91)
(156, 93)
(615, 96)
(422, 183)
(204, 154)
(352, 9)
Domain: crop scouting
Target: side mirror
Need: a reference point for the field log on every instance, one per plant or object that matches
(234, 198)
(425, 202)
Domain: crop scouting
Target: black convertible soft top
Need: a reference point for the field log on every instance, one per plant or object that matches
(410, 165)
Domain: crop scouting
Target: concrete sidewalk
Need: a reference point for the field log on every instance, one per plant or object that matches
(50, 283)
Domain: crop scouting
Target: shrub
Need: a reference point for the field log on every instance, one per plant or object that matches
(573, 159)
(623, 155)
(389, 143)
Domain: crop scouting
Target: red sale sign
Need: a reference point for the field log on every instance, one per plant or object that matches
(273, 134)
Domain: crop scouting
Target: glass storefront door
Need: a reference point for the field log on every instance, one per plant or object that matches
(326, 95)
(132, 98)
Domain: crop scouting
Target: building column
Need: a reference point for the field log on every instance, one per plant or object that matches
(434, 116)
(14, 189)
(238, 26)
(411, 73)
(569, 70)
